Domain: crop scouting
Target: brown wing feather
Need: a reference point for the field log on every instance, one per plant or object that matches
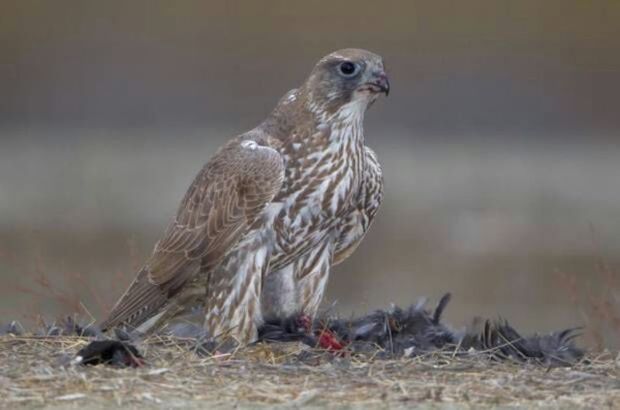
(219, 207)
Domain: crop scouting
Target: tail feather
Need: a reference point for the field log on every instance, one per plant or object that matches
(505, 342)
(138, 304)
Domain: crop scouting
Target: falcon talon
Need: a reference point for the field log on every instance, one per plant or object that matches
(305, 323)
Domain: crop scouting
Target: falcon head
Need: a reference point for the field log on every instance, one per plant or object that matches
(346, 76)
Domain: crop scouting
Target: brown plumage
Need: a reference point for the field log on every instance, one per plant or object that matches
(219, 207)
(262, 224)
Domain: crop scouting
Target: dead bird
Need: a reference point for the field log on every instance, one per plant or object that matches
(397, 332)
(300, 328)
(110, 352)
(504, 342)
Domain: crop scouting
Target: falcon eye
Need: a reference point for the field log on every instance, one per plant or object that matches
(348, 69)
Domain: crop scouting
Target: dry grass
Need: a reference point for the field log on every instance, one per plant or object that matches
(35, 372)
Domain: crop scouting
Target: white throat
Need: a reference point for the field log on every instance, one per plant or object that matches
(352, 112)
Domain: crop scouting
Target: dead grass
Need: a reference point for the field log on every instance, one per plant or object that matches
(600, 310)
(35, 372)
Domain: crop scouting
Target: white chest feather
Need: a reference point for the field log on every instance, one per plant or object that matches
(332, 174)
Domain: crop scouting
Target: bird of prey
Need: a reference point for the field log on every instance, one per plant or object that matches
(273, 210)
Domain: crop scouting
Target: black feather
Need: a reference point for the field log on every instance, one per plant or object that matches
(396, 332)
(110, 352)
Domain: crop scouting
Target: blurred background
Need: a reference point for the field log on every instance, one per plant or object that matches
(499, 142)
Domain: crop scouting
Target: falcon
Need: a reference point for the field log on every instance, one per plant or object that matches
(261, 226)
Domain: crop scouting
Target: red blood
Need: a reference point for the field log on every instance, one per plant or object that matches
(329, 341)
(305, 322)
(133, 361)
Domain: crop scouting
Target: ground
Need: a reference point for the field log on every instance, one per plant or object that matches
(35, 372)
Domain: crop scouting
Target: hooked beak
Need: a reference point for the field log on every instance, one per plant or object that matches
(380, 82)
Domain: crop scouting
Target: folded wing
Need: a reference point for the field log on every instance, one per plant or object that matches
(220, 206)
